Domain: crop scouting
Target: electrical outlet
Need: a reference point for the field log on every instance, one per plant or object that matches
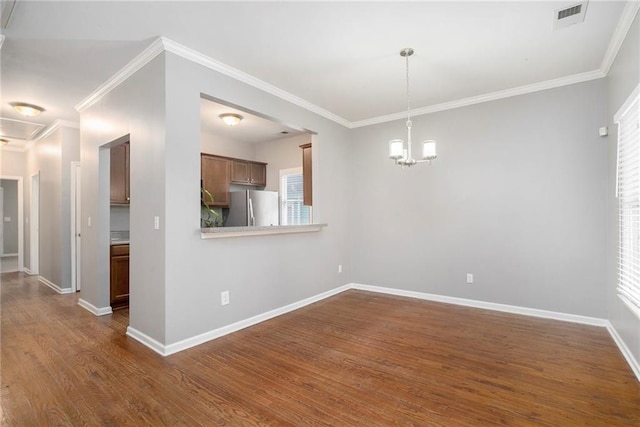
(469, 278)
(89, 222)
(339, 268)
(156, 223)
(224, 298)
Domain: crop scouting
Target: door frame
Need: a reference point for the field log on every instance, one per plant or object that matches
(76, 226)
(20, 218)
(34, 224)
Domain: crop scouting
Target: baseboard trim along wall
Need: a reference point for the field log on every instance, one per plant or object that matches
(93, 309)
(633, 363)
(27, 271)
(55, 287)
(593, 321)
(166, 350)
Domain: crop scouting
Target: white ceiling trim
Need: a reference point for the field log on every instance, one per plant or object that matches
(162, 44)
(125, 72)
(13, 148)
(227, 70)
(493, 96)
(49, 130)
(624, 24)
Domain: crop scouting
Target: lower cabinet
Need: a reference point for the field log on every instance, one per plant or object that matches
(119, 276)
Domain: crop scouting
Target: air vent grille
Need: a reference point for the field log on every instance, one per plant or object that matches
(573, 14)
(565, 13)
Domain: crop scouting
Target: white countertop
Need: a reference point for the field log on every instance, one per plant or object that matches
(223, 232)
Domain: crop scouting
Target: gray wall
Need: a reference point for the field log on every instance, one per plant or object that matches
(137, 108)
(261, 272)
(281, 154)
(10, 210)
(119, 220)
(622, 79)
(51, 157)
(516, 197)
(223, 146)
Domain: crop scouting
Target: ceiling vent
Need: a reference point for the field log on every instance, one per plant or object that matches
(573, 14)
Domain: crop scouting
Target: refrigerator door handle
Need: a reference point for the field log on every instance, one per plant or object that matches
(252, 219)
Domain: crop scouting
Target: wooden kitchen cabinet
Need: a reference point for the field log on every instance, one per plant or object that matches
(248, 173)
(307, 187)
(119, 276)
(120, 194)
(215, 176)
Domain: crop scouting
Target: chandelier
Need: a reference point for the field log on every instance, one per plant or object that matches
(398, 150)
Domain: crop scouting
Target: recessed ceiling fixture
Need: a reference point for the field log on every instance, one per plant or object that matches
(400, 152)
(4, 141)
(231, 119)
(27, 110)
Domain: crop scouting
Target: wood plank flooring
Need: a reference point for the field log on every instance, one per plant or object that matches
(356, 359)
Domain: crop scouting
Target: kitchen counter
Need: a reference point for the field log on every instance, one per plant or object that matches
(224, 232)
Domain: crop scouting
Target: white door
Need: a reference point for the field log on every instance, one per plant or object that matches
(75, 226)
(34, 223)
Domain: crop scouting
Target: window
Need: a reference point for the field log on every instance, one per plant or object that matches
(628, 192)
(292, 211)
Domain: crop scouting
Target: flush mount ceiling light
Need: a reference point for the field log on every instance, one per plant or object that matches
(398, 150)
(27, 110)
(231, 119)
(4, 141)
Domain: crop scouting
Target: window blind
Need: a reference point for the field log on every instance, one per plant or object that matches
(628, 191)
(293, 211)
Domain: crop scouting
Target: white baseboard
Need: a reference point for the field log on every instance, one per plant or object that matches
(145, 339)
(633, 363)
(166, 350)
(575, 318)
(27, 271)
(93, 309)
(9, 255)
(55, 287)
(592, 321)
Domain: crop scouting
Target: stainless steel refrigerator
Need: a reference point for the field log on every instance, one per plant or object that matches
(253, 208)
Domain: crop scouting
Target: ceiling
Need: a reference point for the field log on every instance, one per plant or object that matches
(342, 57)
(252, 129)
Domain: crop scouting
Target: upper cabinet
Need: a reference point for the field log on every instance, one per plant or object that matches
(215, 173)
(249, 173)
(307, 188)
(120, 175)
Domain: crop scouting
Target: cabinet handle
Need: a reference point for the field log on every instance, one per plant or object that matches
(128, 198)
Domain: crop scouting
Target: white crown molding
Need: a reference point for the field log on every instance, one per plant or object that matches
(93, 309)
(12, 148)
(199, 58)
(493, 96)
(49, 130)
(624, 24)
(153, 50)
(162, 44)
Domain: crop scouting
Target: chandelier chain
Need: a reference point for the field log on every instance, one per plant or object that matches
(408, 100)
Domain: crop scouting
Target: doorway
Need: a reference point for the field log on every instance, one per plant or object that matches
(75, 226)
(11, 224)
(34, 225)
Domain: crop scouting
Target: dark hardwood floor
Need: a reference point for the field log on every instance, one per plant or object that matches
(356, 359)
